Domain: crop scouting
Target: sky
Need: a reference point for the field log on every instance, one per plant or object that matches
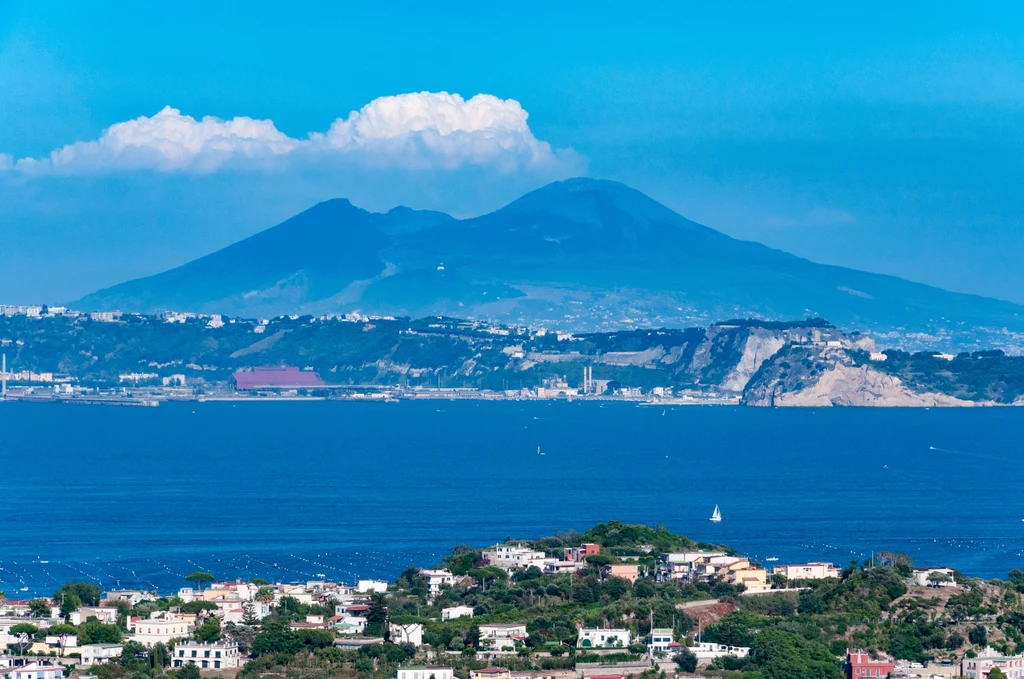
(881, 136)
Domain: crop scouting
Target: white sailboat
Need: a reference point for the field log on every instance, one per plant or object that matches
(717, 515)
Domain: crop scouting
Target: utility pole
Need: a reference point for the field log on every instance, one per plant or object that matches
(3, 378)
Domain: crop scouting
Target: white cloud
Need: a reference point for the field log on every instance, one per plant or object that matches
(6, 162)
(422, 130)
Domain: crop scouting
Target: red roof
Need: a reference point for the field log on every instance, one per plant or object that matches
(278, 378)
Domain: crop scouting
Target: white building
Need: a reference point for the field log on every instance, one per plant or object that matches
(707, 651)
(425, 672)
(436, 579)
(156, 630)
(456, 612)
(407, 634)
(100, 654)
(661, 641)
(816, 570)
(105, 614)
(922, 575)
(514, 556)
(36, 671)
(603, 638)
(212, 656)
(497, 635)
(366, 586)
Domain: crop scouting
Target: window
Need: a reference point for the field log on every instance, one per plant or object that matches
(207, 654)
(216, 664)
(193, 654)
(218, 654)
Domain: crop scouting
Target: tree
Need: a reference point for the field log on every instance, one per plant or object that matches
(259, 582)
(264, 595)
(686, 660)
(39, 608)
(62, 632)
(88, 594)
(377, 617)
(93, 631)
(978, 635)
(199, 578)
(159, 656)
(24, 632)
(195, 607)
(937, 578)
(189, 671)
(209, 631)
(249, 616)
(276, 637)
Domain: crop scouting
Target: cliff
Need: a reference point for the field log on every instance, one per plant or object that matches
(831, 376)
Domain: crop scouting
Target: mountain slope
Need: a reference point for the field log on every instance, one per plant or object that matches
(578, 254)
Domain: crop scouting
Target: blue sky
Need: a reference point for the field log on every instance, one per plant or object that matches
(878, 137)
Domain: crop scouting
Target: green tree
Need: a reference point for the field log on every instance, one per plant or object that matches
(259, 582)
(686, 660)
(39, 608)
(194, 607)
(24, 633)
(63, 632)
(93, 631)
(377, 617)
(978, 635)
(159, 656)
(209, 631)
(937, 578)
(189, 671)
(199, 578)
(275, 637)
(264, 595)
(249, 616)
(88, 593)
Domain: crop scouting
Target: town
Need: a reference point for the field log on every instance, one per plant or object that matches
(617, 601)
(56, 355)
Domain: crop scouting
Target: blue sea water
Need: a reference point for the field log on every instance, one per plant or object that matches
(142, 496)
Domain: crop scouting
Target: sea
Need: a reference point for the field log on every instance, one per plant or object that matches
(292, 491)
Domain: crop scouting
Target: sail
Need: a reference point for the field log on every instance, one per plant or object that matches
(717, 515)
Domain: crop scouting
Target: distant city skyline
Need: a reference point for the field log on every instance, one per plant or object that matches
(882, 138)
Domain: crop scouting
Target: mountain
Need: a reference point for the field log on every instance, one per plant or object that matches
(577, 254)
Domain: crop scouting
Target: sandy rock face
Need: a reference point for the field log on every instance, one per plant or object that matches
(845, 385)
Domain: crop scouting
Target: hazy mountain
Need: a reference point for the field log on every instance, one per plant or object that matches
(581, 253)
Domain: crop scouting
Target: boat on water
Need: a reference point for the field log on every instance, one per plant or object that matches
(716, 516)
(772, 558)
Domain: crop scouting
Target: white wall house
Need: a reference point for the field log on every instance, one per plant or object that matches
(513, 556)
(425, 672)
(407, 634)
(212, 656)
(706, 651)
(603, 638)
(100, 654)
(39, 672)
(436, 579)
(366, 586)
(456, 612)
(921, 576)
(661, 641)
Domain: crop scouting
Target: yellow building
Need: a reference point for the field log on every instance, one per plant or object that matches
(627, 571)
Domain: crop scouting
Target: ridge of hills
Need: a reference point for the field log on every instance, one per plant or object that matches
(581, 254)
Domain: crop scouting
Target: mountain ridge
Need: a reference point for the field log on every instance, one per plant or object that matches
(581, 254)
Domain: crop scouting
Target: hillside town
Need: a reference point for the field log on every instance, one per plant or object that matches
(57, 355)
(607, 608)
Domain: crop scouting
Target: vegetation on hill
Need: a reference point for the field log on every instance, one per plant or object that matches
(801, 630)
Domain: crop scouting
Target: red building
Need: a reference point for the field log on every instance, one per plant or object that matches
(582, 552)
(276, 378)
(860, 665)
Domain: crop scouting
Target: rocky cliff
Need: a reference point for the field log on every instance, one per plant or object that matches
(830, 376)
